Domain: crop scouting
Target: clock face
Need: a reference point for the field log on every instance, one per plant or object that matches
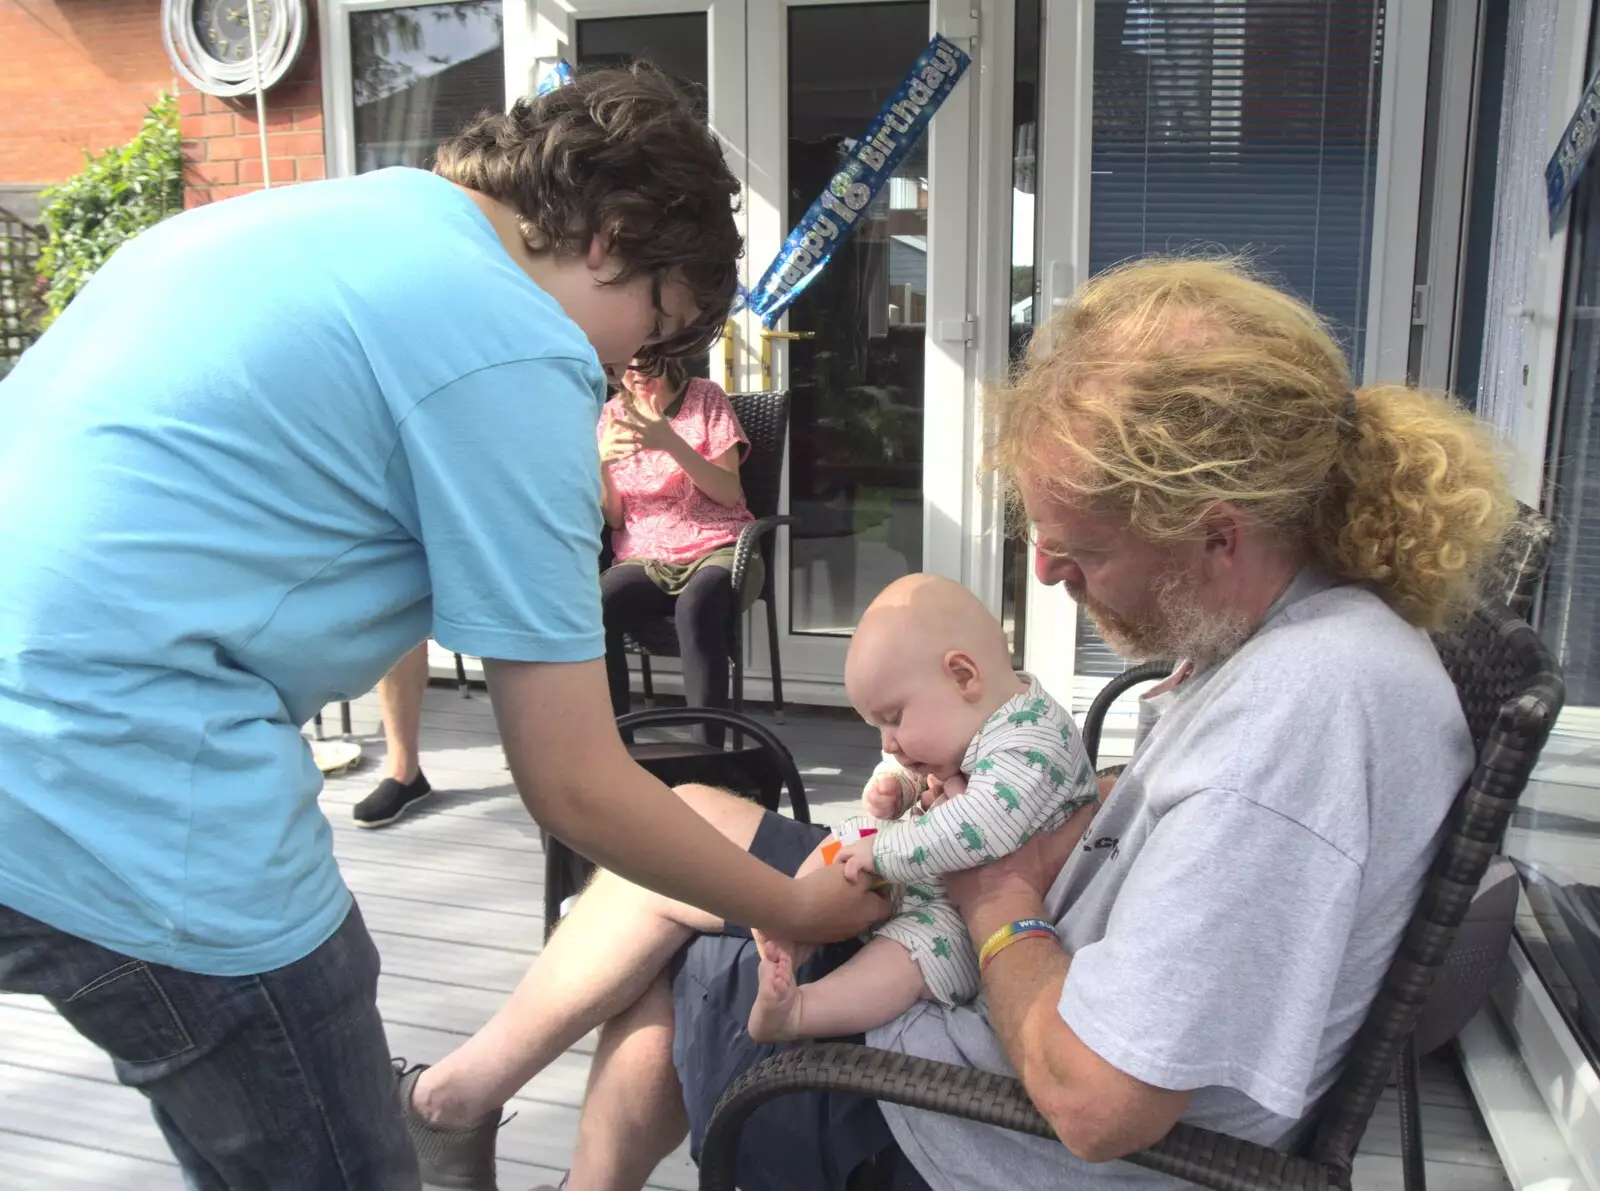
(223, 26)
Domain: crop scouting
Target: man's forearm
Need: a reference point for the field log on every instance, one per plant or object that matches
(1023, 987)
(1098, 1112)
(680, 856)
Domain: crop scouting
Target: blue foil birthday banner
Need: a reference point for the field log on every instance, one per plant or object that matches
(558, 75)
(830, 220)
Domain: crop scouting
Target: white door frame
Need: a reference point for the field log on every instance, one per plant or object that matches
(950, 448)
(1066, 132)
(1397, 190)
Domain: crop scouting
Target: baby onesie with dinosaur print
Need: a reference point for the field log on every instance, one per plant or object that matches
(1026, 772)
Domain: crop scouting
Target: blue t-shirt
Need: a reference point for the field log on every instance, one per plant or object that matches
(273, 445)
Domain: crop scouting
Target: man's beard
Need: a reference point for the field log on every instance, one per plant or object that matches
(1175, 627)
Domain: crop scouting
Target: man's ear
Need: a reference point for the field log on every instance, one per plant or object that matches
(963, 671)
(1222, 533)
(598, 250)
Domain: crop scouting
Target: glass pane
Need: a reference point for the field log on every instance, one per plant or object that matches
(1248, 127)
(1024, 278)
(855, 464)
(1555, 836)
(676, 43)
(420, 74)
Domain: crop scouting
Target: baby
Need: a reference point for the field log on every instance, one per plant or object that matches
(931, 669)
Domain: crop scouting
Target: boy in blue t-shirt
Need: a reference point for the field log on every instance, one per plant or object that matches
(273, 445)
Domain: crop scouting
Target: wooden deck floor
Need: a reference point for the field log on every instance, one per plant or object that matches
(452, 895)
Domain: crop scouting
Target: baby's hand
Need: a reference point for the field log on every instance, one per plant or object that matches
(882, 797)
(940, 791)
(856, 859)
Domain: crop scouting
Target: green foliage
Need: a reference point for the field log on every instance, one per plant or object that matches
(117, 195)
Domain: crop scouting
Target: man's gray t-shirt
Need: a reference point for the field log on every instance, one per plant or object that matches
(1236, 901)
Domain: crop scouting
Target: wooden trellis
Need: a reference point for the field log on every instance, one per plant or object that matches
(20, 307)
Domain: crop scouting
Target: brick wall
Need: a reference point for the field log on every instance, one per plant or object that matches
(74, 75)
(78, 74)
(222, 141)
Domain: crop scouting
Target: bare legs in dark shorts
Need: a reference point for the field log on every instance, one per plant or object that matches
(628, 962)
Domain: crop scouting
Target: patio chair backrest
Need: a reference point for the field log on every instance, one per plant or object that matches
(1522, 558)
(764, 417)
(1511, 692)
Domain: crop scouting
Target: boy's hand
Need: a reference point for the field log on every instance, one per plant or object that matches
(882, 797)
(828, 906)
(856, 859)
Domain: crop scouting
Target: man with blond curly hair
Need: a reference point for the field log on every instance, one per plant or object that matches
(1201, 473)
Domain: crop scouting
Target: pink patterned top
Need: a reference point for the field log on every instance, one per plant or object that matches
(664, 516)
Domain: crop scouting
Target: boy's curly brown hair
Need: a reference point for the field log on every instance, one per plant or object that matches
(617, 153)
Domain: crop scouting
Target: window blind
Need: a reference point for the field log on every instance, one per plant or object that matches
(1248, 127)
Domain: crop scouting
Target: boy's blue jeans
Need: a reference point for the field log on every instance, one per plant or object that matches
(275, 1082)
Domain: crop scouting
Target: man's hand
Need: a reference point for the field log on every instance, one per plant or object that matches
(828, 906)
(856, 859)
(1024, 877)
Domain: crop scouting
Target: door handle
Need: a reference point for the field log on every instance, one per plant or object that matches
(766, 350)
(729, 350)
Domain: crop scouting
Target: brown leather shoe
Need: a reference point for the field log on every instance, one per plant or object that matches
(451, 1159)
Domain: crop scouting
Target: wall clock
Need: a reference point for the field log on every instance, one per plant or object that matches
(209, 42)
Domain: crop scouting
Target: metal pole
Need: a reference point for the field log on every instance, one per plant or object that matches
(261, 99)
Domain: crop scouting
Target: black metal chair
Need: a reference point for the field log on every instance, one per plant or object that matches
(762, 770)
(764, 418)
(1511, 692)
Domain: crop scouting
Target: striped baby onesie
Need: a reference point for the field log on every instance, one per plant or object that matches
(1026, 772)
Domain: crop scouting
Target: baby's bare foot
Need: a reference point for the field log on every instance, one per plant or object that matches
(775, 1016)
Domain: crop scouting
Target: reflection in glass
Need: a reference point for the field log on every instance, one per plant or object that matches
(855, 484)
(674, 42)
(1242, 127)
(1555, 836)
(420, 74)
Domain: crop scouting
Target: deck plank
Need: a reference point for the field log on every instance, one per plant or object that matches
(453, 896)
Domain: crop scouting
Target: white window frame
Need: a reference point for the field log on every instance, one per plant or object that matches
(338, 97)
(1066, 133)
(1547, 290)
(1397, 190)
(950, 459)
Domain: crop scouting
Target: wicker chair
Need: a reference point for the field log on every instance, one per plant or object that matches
(1511, 692)
(764, 418)
(762, 769)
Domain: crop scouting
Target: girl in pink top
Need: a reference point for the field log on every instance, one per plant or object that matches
(669, 454)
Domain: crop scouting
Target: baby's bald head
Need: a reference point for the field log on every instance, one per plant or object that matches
(928, 665)
(915, 623)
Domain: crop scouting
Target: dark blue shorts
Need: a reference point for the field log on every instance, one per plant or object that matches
(810, 1141)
